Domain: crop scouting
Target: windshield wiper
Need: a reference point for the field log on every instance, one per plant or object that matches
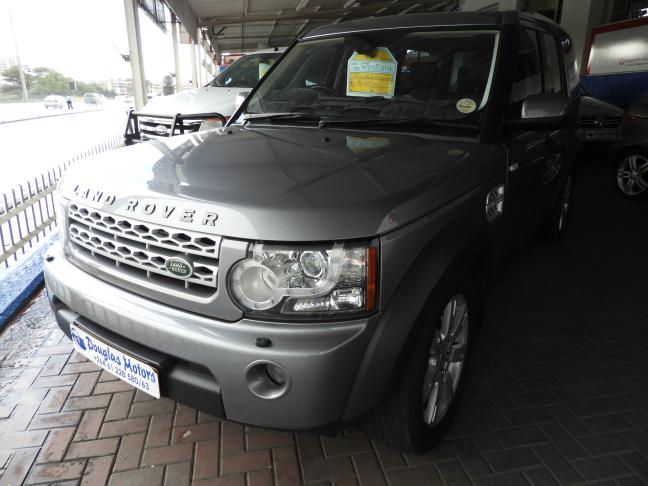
(282, 116)
(377, 122)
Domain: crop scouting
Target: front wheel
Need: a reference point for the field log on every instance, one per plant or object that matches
(417, 414)
(632, 174)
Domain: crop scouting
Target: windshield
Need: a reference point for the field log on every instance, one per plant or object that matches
(384, 75)
(246, 71)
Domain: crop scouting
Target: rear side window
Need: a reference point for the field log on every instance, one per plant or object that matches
(528, 74)
(552, 73)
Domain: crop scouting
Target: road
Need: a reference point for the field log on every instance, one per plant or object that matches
(29, 148)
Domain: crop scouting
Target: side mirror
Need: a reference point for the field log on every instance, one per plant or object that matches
(543, 112)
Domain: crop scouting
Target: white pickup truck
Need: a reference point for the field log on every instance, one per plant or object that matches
(201, 108)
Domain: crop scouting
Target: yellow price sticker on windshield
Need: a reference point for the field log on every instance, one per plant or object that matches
(372, 75)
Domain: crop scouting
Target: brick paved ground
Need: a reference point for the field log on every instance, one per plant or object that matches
(558, 390)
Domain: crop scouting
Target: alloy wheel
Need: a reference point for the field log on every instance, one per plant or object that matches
(632, 175)
(445, 360)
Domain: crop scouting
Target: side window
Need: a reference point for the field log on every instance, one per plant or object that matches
(552, 74)
(528, 74)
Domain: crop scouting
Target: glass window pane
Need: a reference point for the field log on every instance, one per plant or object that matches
(553, 83)
(528, 77)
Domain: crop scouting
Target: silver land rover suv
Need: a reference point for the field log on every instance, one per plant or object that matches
(322, 258)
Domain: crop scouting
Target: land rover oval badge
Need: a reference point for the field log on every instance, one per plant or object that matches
(179, 267)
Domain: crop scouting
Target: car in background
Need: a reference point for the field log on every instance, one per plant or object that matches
(93, 98)
(599, 121)
(201, 108)
(631, 152)
(54, 101)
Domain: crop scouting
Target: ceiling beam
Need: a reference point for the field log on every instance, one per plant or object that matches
(303, 15)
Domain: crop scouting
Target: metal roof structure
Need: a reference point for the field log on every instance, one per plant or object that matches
(245, 25)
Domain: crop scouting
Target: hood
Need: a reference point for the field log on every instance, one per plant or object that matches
(284, 184)
(192, 101)
(594, 107)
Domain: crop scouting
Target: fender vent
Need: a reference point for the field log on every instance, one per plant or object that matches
(495, 203)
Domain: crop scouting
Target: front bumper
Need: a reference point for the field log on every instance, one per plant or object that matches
(321, 359)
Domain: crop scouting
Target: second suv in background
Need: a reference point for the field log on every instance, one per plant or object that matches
(201, 108)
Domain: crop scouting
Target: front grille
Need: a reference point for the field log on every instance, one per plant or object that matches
(141, 249)
(601, 122)
(148, 127)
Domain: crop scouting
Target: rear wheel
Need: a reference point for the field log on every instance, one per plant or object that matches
(632, 173)
(417, 414)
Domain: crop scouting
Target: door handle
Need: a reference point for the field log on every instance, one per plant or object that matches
(513, 167)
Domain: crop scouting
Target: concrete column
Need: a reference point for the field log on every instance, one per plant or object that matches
(194, 70)
(176, 55)
(135, 52)
(578, 19)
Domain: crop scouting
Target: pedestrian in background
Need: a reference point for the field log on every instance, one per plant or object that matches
(68, 98)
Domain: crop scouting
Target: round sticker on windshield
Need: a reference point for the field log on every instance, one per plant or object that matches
(466, 105)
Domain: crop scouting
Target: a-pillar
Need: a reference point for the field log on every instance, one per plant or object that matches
(135, 52)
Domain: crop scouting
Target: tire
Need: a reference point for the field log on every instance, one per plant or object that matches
(555, 225)
(632, 173)
(409, 419)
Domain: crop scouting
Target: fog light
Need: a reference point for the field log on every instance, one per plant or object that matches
(276, 374)
(267, 380)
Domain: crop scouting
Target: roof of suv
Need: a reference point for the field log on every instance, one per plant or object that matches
(491, 18)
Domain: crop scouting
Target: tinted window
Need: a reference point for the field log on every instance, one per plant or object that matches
(552, 75)
(528, 76)
(246, 71)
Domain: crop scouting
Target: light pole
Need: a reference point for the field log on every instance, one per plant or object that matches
(20, 68)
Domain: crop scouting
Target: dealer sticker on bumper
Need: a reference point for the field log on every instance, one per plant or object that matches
(129, 369)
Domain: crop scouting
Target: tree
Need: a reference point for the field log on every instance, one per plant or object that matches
(11, 78)
(47, 81)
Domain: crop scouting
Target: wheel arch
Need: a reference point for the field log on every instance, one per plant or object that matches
(467, 247)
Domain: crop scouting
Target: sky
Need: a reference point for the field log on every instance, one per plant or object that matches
(82, 39)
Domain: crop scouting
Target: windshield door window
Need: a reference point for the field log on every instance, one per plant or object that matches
(552, 76)
(384, 75)
(528, 74)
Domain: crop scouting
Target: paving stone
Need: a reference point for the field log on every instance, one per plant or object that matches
(286, 467)
(327, 469)
(84, 384)
(120, 406)
(260, 477)
(511, 459)
(97, 471)
(601, 467)
(62, 419)
(92, 448)
(246, 461)
(268, 439)
(54, 399)
(90, 425)
(151, 476)
(56, 444)
(196, 432)
(124, 427)
(415, 476)
(130, 452)
(178, 474)
(206, 459)
(160, 431)
(111, 387)
(86, 403)
(368, 468)
(55, 472)
(19, 467)
(167, 455)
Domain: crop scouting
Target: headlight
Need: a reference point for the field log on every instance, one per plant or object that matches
(60, 208)
(305, 281)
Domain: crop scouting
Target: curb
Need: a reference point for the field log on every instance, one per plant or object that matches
(2, 122)
(20, 284)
